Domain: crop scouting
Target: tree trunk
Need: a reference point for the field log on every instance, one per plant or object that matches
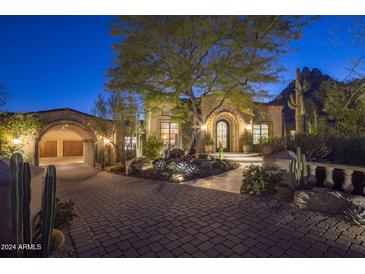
(192, 150)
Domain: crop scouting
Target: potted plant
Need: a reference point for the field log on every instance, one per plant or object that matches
(208, 143)
(246, 141)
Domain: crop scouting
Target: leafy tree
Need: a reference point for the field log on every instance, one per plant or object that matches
(21, 126)
(169, 58)
(344, 107)
(118, 113)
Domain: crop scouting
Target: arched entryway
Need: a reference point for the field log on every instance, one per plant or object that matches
(222, 135)
(224, 127)
(65, 142)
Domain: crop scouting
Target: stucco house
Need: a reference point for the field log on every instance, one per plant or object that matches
(70, 135)
(225, 125)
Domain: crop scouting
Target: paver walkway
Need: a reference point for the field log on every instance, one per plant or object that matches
(230, 181)
(131, 217)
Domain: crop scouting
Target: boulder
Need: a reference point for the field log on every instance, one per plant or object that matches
(220, 165)
(134, 165)
(283, 160)
(176, 153)
(284, 193)
(322, 199)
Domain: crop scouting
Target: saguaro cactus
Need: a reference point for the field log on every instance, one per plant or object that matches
(20, 188)
(300, 169)
(48, 209)
(16, 190)
(27, 227)
(297, 103)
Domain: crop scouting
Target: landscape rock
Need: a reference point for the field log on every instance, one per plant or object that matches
(176, 153)
(323, 200)
(135, 165)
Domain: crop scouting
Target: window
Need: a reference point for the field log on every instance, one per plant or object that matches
(130, 142)
(222, 134)
(260, 131)
(169, 133)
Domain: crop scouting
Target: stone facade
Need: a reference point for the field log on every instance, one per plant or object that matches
(236, 121)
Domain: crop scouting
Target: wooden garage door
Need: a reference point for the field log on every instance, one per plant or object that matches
(72, 148)
(48, 149)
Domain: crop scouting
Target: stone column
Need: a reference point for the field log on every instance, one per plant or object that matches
(312, 174)
(328, 182)
(347, 184)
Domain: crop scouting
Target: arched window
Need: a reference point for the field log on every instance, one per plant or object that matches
(222, 134)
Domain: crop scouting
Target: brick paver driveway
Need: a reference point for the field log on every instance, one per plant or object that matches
(132, 217)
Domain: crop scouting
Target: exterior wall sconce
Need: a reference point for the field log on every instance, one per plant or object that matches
(248, 127)
(106, 141)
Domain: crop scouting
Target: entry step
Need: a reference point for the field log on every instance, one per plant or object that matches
(241, 157)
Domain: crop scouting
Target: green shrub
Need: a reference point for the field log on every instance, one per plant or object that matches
(153, 146)
(64, 214)
(258, 180)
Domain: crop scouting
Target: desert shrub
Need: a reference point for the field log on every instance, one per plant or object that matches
(344, 150)
(153, 147)
(314, 147)
(258, 180)
(64, 214)
(334, 149)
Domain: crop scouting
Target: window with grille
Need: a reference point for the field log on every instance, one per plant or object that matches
(169, 133)
(260, 130)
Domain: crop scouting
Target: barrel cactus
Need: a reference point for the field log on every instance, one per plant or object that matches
(57, 239)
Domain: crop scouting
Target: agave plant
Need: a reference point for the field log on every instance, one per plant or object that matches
(356, 214)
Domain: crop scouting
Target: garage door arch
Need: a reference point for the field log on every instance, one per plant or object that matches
(87, 137)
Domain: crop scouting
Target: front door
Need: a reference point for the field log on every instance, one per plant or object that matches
(222, 135)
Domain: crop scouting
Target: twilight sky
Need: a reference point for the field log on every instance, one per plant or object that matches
(61, 61)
